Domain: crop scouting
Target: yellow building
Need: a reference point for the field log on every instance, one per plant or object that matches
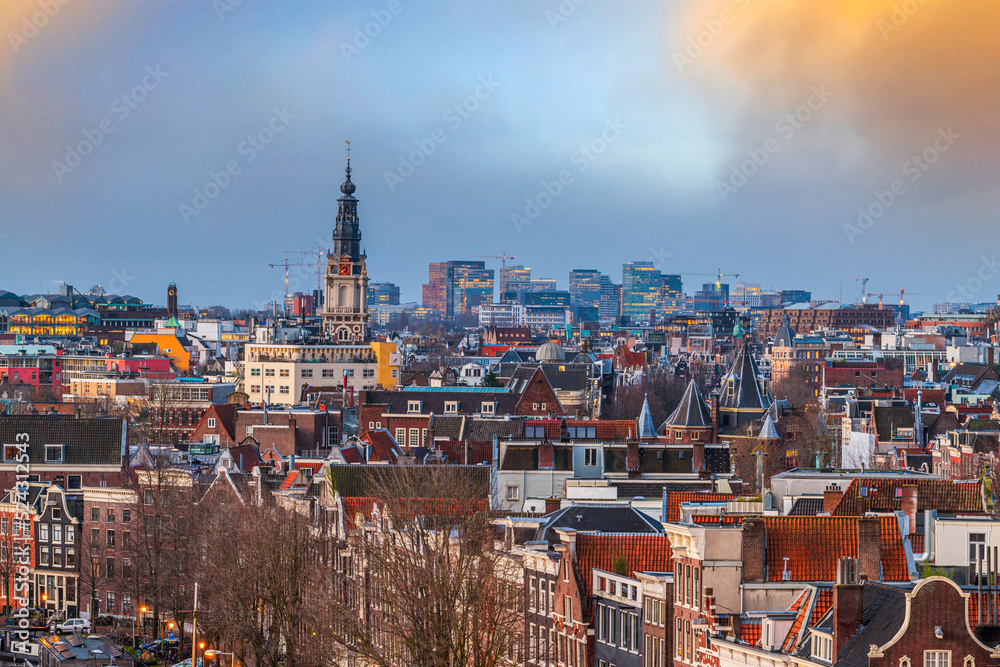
(169, 346)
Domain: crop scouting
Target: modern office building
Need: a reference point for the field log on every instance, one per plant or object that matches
(641, 288)
(790, 297)
(458, 287)
(611, 299)
(383, 294)
(543, 285)
(712, 297)
(585, 287)
(515, 278)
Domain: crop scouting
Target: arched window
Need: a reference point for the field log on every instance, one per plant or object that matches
(969, 661)
(904, 662)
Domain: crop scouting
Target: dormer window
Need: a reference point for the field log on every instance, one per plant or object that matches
(822, 647)
(53, 453)
(451, 407)
(488, 408)
(211, 422)
(413, 406)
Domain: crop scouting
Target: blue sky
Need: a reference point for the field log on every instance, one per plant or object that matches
(540, 82)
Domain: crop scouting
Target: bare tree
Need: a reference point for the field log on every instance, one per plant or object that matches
(92, 571)
(426, 582)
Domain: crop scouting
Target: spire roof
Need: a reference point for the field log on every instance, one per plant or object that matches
(768, 431)
(785, 336)
(691, 411)
(646, 427)
(741, 385)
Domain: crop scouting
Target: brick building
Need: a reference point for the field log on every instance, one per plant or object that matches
(107, 525)
(298, 432)
(804, 319)
(880, 375)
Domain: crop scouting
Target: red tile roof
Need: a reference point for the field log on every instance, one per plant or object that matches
(675, 498)
(289, 480)
(750, 631)
(644, 553)
(382, 445)
(813, 544)
(725, 519)
(883, 495)
(617, 429)
(355, 506)
(809, 607)
(351, 454)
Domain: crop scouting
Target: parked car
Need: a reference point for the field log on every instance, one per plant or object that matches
(74, 625)
(186, 663)
(161, 646)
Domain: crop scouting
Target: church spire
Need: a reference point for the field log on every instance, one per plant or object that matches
(347, 233)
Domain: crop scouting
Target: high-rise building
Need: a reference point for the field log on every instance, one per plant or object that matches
(671, 294)
(543, 285)
(585, 287)
(298, 304)
(458, 287)
(611, 299)
(712, 297)
(745, 297)
(790, 297)
(345, 309)
(641, 286)
(383, 294)
(515, 278)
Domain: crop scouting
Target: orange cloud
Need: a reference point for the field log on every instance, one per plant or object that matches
(900, 69)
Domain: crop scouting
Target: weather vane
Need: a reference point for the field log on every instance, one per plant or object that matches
(348, 149)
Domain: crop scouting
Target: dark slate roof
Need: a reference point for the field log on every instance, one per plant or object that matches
(883, 610)
(744, 374)
(889, 417)
(595, 517)
(448, 427)
(806, 507)
(91, 441)
(691, 411)
(650, 489)
(483, 430)
(785, 336)
(433, 401)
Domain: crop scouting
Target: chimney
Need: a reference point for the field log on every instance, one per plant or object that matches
(632, 460)
(908, 504)
(870, 548)
(831, 498)
(552, 505)
(715, 416)
(848, 598)
(567, 540)
(754, 545)
(697, 456)
(546, 456)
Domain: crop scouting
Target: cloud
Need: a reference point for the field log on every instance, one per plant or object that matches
(900, 69)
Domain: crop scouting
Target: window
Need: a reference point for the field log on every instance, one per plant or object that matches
(211, 422)
(110, 539)
(43, 532)
(109, 570)
(937, 658)
(95, 514)
(283, 389)
(552, 597)
(451, 407)
(977, 546)
(126, 515)
(307, 372)
(333, 434)
(368, 373)
(71, 558)
(488, 408)
(75, 481)
(413, 406)
(283, 373)
(400, 436)
(111, 515)
(126, 568)
(512, 492)
(4, 525)
(329, 373)
(255, 389)
(255, 372)
(543, 406)
(349, 373)
(532, 594)
(53, 453)
(269, 372)
(95, 537)
(567, 608)
(44, 556)
(590, 457)
(70, 534)
(57, 532)
(147, 495)
(414, 437)
(822, 647)
(110, 602)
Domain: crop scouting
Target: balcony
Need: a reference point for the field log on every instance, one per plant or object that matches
(353, 310)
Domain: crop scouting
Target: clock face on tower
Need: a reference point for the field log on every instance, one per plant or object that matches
(345, 268)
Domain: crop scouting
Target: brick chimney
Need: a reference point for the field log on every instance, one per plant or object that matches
(552, 504)
(546, 456)
(697, 456)
(848, 598)
(632, 460)
(715, 416)
(908, 504)
(870, 548)
(754, 545)
(831, 498)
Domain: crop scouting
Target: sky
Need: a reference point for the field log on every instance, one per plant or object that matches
(800, 145)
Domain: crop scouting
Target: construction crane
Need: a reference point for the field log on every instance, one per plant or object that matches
(719, 275)
(864, 284)
(287, 264)
(902, 290)
(503, 257)
(320, 253)
(880, 296)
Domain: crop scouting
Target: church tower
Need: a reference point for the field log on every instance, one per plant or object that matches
(345, 312)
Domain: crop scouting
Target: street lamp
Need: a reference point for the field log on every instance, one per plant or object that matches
(210, 653)
(138, 624)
